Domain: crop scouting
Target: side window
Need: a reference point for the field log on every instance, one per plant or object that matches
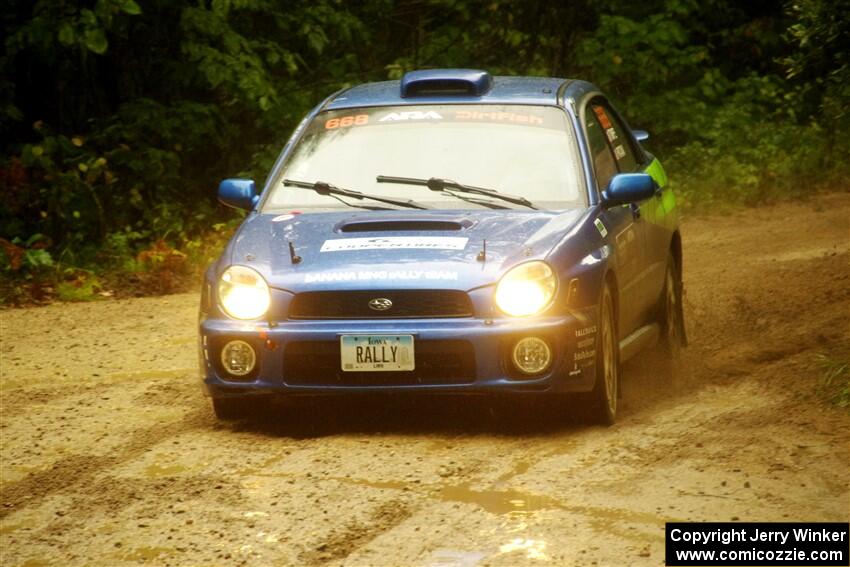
(615, 133)
(603, 160)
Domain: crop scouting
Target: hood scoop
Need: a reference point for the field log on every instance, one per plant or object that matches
(403, 224)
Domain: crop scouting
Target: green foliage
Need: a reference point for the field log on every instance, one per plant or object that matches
(56, 25)
(36, 259)
(732, 158)
(726, 134)
(85, 287)
(821, 33)
(120, 117)
(25, 256)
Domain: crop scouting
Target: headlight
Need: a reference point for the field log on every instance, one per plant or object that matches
(243, 293)
(526, 289)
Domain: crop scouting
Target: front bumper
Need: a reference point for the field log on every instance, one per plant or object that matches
(571, 337)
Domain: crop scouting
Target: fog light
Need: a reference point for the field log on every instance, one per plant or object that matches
(238, 358)
(532, 355)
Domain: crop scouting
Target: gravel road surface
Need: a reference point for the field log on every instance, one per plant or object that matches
(111, 456)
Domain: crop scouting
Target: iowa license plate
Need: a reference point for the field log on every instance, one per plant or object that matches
(376, 353)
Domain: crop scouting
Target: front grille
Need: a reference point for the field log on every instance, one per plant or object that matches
(406, 304)
(317, 363)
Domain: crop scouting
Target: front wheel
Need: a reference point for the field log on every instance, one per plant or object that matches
(603, 406)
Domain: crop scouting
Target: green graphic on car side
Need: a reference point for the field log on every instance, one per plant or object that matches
(656, 171)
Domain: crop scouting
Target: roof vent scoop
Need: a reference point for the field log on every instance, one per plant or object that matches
(446, 82)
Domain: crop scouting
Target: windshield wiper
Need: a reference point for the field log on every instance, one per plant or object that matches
(323, 188)
(436, 184)
(483, 202)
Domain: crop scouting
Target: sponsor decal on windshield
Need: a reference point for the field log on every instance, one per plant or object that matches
(411, 115)
(346, 121)
(498, 117)
(514, 115)
(396, 242)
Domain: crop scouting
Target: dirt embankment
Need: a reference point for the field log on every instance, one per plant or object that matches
(111, 456)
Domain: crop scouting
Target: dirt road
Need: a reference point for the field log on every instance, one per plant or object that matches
(111, 456)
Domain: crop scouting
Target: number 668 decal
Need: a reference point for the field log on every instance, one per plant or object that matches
(346, 121)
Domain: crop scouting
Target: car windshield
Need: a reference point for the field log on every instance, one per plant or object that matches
(528, 151)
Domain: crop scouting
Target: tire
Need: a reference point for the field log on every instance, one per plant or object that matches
(672, 320)
(603, 398)
(231, 408)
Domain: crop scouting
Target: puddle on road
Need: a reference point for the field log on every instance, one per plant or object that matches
(517, 505)
(501, 502)
(507, 502)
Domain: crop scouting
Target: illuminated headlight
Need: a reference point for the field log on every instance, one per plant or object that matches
(531, 355)
(526, 289)
(238, 358)
(243, 293)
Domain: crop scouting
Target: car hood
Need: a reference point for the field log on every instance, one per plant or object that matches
(396, 249)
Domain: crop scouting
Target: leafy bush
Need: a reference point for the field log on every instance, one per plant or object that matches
(83, 287)
(28, 256)
(727, 135)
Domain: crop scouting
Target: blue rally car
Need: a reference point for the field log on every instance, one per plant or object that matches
(451, 232)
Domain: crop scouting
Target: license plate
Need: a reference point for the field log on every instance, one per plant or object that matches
(376, 353)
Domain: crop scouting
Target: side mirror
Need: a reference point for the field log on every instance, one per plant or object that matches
(641, 135)
(238, 193)
(628, 188)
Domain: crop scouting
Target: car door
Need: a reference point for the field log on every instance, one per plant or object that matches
(630, 158)
(623, 223)
(659, 215)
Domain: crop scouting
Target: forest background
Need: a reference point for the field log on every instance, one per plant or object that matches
(119, 117)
